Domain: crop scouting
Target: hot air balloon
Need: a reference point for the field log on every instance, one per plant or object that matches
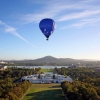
(47, 26)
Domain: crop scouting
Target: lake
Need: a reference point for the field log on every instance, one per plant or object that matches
(45, 67)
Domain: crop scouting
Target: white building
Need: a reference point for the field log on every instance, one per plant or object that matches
(3, 67)
(44, 78)
(2, 62)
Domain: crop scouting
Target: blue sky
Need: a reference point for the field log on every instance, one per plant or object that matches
(77, 33)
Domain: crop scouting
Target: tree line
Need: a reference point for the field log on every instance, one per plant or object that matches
(78, 90)
(11, 88)
(85, 85)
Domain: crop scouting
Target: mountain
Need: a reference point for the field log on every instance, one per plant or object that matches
(46, 59)
(49, 60)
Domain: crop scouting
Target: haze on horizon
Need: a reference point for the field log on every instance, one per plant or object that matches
(77, 33)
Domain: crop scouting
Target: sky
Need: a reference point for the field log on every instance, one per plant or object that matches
(77, 33)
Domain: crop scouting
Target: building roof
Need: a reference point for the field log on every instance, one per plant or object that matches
(1, 66)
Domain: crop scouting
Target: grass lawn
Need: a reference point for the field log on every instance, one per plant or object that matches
(44, 92)
(47, 70)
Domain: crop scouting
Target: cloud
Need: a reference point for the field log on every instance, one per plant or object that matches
(29, 18)
(50, 9)
(83, 22)
(1, 23)
(79, 15)
(13, 31)
(65, 10)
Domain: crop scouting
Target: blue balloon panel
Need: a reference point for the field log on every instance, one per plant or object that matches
(47, 26)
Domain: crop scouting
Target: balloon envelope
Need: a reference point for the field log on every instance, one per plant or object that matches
(47, 26)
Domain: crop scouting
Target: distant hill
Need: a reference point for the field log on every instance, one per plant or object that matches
(47, 59)
(62, 60)
(50, 60)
